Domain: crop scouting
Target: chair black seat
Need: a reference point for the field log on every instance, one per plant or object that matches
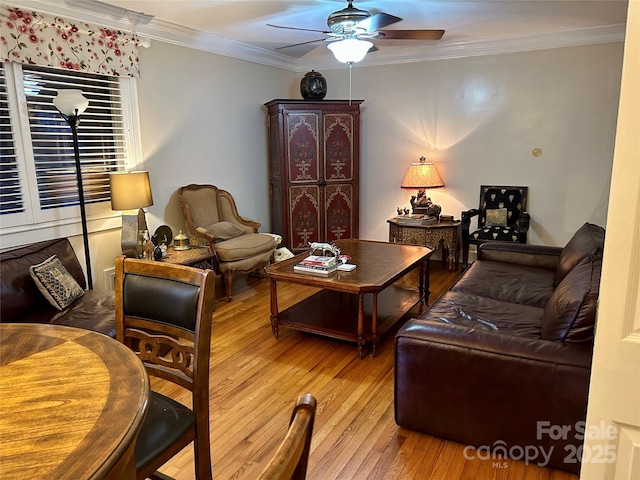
(508, 233)
(166, 421)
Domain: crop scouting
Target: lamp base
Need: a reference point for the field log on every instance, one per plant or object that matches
(129, 235)
(131, 226)
(423, 205)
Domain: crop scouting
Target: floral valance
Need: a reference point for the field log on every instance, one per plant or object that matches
(40, 39)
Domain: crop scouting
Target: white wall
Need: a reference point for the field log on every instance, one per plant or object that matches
(203, 121)
(479, 119)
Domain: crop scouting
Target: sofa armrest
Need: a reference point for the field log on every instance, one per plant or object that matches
(522, 254)
(510, 346)
(490, 389)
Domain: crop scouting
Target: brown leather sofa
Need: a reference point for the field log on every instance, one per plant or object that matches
(501, 362)
(21, 301)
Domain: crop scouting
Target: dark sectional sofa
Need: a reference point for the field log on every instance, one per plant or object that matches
(501, 362)
(21, 301)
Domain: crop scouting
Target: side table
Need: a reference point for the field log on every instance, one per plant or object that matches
(428, 235)
(195, 256)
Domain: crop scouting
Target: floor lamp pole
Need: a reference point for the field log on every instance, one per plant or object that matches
(73, 121)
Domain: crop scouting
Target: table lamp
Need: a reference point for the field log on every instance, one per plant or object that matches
(423, 175)
(131, 191)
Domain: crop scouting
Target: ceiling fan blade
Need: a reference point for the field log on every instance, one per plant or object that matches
(301, 43)
(296, 28)
(411, 34)
(377, 21)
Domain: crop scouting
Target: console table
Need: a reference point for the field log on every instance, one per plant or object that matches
(428, 235)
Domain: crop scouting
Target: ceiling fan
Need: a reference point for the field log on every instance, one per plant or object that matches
(351, 29)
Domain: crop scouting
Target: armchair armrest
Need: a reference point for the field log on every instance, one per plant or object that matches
(522, 254)
(466, 217)
(523, 222)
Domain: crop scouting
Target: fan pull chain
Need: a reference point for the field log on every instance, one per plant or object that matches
(350, 66)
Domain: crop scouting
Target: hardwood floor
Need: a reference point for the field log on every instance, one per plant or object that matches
(255, 380)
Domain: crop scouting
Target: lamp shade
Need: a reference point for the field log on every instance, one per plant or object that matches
(422, 175)
(350, 50)
(130, 190)
(70, 101)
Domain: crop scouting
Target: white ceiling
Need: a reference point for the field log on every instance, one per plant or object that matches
(467, 24)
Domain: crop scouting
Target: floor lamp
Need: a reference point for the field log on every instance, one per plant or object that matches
(71, 103)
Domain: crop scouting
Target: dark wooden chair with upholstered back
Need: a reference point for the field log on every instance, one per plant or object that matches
(290, 460)
(502, 216)
(163, 313)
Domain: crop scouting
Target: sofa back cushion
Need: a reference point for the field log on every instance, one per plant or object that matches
(19, 293)
(588, 240)
(570, 313)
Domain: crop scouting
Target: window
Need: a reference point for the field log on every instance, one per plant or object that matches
(38, 186)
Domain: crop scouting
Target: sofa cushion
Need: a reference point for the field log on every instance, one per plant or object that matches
(487, 314)
(245, 246)
(507, 282)
(95, 310)
(570, 314)
(20, 296)
(588, 240)
(55, 282)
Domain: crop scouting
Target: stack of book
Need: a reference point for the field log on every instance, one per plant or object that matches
(318, 264)
(416, 220)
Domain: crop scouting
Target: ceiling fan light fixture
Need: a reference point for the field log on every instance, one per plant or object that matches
(350, 50)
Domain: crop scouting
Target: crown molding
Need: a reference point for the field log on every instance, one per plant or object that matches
(159, 30)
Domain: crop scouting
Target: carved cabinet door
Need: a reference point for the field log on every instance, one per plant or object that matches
(314, 167)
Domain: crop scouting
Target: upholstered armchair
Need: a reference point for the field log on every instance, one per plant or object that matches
(502, 216)
(212, 219)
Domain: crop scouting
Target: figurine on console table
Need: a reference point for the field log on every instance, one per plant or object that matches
(423, 204)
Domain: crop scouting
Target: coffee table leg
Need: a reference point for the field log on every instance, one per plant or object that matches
(374, 325)
(361, 340)
(274, 307)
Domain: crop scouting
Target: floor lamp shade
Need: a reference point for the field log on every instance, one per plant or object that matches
(131, 191)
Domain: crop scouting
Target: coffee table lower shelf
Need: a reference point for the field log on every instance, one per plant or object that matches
(335, 314)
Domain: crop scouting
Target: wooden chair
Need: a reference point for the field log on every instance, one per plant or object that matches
(290, 460)
(163, 313)
(212, 219)
(502, 216)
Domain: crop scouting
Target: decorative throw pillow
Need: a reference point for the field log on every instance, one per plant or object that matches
(55, 282)
(496, 217)
(224, 231)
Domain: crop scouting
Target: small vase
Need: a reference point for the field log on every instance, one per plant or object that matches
(313, 86)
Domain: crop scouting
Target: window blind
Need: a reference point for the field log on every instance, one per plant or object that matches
(10, 192)
(101, 138)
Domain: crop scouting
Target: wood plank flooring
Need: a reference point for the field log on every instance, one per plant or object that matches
(255, 380)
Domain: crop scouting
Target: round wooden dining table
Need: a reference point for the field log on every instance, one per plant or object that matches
(71, 403)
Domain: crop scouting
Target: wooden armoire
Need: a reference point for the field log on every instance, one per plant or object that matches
(314, 164)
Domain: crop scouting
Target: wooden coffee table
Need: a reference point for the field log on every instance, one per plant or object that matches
(358, 306)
